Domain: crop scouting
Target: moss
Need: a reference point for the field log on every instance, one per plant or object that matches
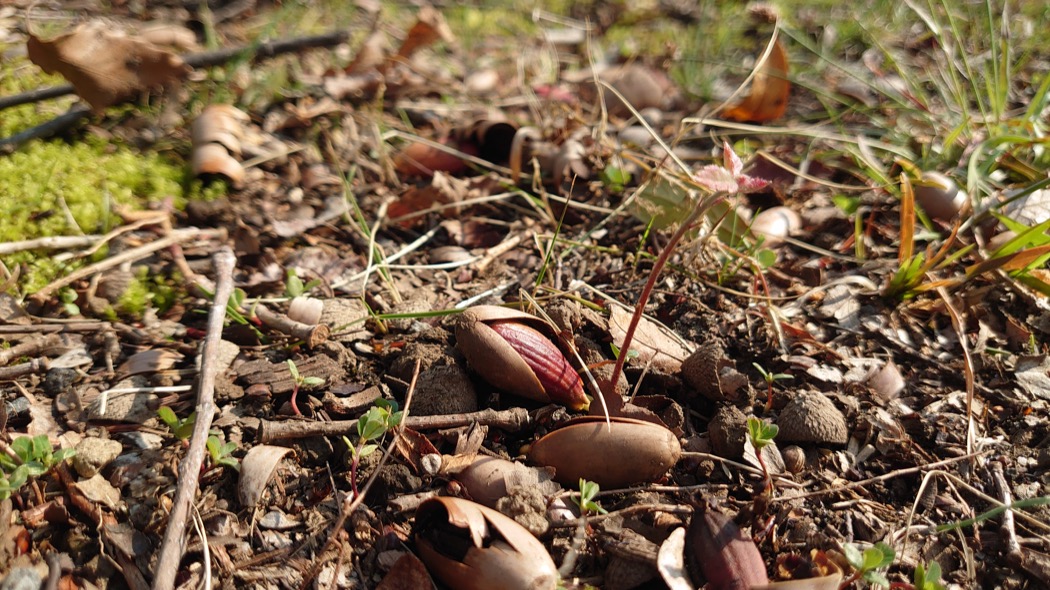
(55, 188)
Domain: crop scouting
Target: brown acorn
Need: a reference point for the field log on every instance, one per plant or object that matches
(507, 348)
(614, 454)
(471, 547)
(717, 549)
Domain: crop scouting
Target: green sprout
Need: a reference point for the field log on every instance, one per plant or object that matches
(761, 435)
(372, 426)
(221, 453)
(588, 492)
(294, 286)
(300, 381)
(929, 577)
(30, 456)
(180, 428)
(770, 378)
(866, 564)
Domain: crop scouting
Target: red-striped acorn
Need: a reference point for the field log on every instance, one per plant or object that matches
(509, 350)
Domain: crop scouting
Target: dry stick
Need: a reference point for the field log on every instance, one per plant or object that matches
(190, 467)
(1013, 548)
(128, 256)
(31, 348)
(48, 243)
(38, 365)
(53, 327)
(511, 420)
(53, 127)
(199, 60)
(883, 477)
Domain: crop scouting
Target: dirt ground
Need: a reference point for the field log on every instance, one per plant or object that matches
(433, 241)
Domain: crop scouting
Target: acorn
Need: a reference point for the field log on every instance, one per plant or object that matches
(614, 454)
(471, 547)
(509, 350)
(776, 224)
(939, 196)
(717, 550)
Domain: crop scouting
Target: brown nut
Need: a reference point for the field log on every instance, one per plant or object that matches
(623, 452)
(811, 417)
(470, 547)
(488, 479)
(939, 196)
(719, 551)
(508, 350)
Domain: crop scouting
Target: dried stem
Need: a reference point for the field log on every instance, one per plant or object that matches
(190, 467)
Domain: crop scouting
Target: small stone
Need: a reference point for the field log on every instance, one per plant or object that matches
(444, 390)
(97, 489)
(812, 417)
(93, 454)
(528, 507)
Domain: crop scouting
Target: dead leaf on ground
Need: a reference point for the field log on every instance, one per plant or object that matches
(652, 341)
(430, 27)
(770, 89)
(256, 468)
(106, 66)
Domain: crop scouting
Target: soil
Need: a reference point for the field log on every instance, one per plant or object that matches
(357, 244)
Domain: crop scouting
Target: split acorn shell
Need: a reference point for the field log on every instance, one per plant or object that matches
(470, 547)
(510, 350)
(615, 455)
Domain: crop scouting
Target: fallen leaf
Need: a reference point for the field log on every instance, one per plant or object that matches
(256, 468)
(650, 340)
(430, 26)
(770, 89)
(105, 66)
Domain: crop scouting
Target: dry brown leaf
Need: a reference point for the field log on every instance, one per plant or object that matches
(105, 66)
(371, 55)
(770, 89)
(408, 573)
(430, 27)
(650, 340)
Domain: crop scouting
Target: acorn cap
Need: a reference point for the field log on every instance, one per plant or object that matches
(812, 417)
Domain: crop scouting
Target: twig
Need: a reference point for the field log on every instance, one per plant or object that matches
(54, 126)
(53, 327)
(510, 420)
(1013, 548)
(38, 365)
(34, 347)
(128, 256)
(190, 467)
(883, 477)
(199, 60)
(48, 243)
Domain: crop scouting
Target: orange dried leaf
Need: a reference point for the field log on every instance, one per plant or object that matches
(430, 26)
(105, 66)
(770, 89)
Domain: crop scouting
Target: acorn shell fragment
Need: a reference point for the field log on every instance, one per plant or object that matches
(614, 455)
(470, 547)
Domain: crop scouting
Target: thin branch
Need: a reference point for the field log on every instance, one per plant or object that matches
(190, 467)
(510, 420)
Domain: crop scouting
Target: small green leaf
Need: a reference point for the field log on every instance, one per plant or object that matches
(294, 370)
(766, 258)
(168, 417)
(368, 450)
(313, 381)
(876, 578)
(853, 556)
(846, 203)
(881, 555)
